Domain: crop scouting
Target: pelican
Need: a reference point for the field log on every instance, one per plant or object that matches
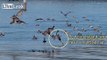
(48, 31)
(15, 19)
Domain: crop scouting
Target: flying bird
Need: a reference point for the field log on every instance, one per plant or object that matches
(65, 14)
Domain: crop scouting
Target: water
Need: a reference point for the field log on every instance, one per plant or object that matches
(18, 39)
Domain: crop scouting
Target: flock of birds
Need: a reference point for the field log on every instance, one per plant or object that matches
(90, 26)
(17, 20)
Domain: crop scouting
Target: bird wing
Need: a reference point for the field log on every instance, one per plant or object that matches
(62, 13)
(19, 13)
(68, 12)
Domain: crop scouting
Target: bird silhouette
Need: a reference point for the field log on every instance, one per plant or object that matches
(65, 14)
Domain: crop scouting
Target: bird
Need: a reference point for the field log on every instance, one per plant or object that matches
(53, 51)
(75, 28)
(2, 34)
(84, 30)
(101, 34)
(87, 20)
(69, 25)
(51, 28)
(34, 37)
(85, 17)
(79, 34)
(48, 31)
(51, 19)
(90, 26)
(39, 19)
(37, 25)
(99, 26)
(45, 33)
(65, 14)
(77, 21)
(57, 37)
(15, 19)
(48, 19)
(96, 30)
(33, 51)
(44, 40)
(39, 31)
(74, 17)
(20, 21)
